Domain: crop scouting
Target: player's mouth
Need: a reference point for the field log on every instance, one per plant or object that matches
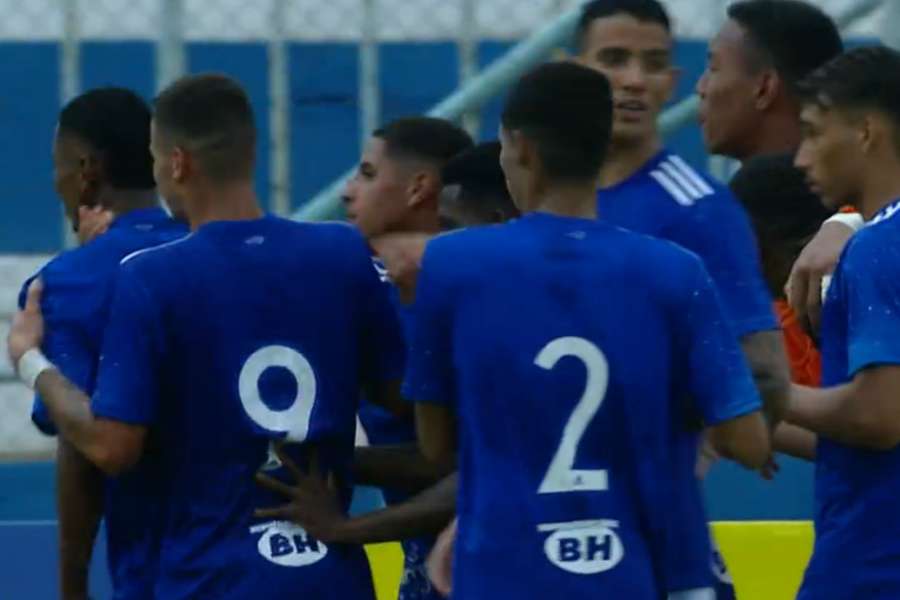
(632, 110)
(814, 187)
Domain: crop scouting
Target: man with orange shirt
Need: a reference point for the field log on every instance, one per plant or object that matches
(785, 215)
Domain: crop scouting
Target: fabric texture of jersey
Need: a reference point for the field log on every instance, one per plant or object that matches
(571, 366)
(857, 548)
(78, 287)
(671, 200)
(242, 335)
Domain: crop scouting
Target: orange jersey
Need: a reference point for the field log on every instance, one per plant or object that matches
(803, 356)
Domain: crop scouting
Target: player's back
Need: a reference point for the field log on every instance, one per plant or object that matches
(264, 328)
(569, 355)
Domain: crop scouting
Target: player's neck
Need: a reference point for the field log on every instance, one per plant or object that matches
(568, 200)
(624, 159)
(422, 222)
(880, 189)
(232, 202)
(777, 134)
(121, 202)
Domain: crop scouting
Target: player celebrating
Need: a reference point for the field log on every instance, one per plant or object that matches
(646, 188)
(252, 329)
(565, 442)
(396, 189)
(851, 153)
(103, 173)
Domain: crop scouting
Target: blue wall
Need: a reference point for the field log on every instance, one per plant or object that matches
(325, 122)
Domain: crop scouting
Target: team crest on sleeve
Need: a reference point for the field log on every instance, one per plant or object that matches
(288, 545)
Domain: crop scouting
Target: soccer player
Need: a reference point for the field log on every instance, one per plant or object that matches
(749, 107)
(250, 331)
(785, 215)
(851, 154)
(474, 193)
(648, 189)
(565, 441)
(396, 189)
(102, 166)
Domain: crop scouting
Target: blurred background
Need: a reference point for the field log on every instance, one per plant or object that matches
(321, 75)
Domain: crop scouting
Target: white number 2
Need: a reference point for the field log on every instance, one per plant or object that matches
(561, 477)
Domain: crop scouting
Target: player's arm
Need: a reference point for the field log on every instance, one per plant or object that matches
(399, 467)
(110, 445)
(765, 353)
(864, 412)
(795, 441)
(719, 379)
(79, 504)
(314, 503)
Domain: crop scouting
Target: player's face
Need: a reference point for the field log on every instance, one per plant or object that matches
(375, 197)
(727, 90)
(636, 57)
(517, 177)
(70, 178)
(830, 154)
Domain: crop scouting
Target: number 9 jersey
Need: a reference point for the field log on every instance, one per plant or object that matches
(575, 355)
(242, 334)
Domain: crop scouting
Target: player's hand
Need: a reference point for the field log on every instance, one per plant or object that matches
(27, 329)
(440, 561)
(314, 501)
(401, 254)
(818, 259)
(93, 221)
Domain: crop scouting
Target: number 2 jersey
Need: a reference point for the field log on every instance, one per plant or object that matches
(571, 351)
(245, 333)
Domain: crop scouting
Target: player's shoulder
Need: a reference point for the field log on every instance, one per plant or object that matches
(452, 246)
(873, 247)
(686, 185)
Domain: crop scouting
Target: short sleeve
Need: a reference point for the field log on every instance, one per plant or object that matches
(429, 373)
(870, 281)
(718, 231)
(719, 381)
(130, 361)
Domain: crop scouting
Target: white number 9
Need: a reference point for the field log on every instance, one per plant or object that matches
(293, 420)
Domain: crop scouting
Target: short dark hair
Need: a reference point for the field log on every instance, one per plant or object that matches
(115, 122)
(566, 109)
(480, 178)
(794, 37)
(211, 116)
(777, 197)
(648, 11)
(424, 138)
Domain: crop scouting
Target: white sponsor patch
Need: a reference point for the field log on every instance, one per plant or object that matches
(288, 545)
(584, 547)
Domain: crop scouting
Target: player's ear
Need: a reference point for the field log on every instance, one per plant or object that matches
(770, 85)
(180, 164)
(423, 186)
(90, 174)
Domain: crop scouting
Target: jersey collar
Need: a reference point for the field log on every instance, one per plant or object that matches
(140, 216)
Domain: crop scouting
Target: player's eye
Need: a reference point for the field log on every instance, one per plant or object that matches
(613, 57)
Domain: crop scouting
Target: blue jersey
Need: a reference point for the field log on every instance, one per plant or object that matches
(240, 335)
(669, 199)
(78, 286)
(570, 364)
(382, 427)
(857, 549)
